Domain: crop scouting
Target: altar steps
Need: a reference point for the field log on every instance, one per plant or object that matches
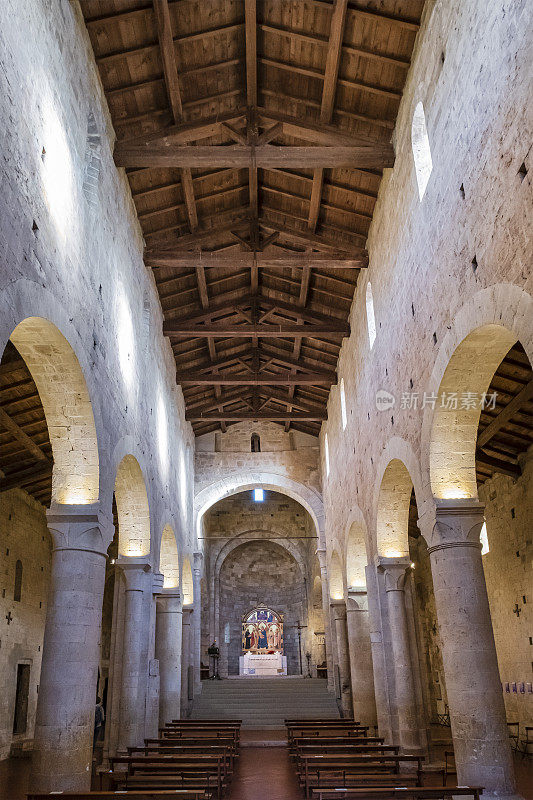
(265, 703)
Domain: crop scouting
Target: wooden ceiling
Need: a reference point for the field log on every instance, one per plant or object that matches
(254, 134)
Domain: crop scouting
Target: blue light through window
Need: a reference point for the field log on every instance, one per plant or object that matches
(259, 495)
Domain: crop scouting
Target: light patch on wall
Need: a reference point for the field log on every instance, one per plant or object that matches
(183, 485)
(370, 316)
(57, 171)
(125, 339)
(162, 434)
(484, 539)
(326, 453)
(343, 405)
(421, 150)
(259, 495)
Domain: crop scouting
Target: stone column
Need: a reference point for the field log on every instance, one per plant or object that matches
(131, 714)
(322, 558)
(196, 631)
(168, 652)
(64, 727)
(361, 668)
(185, 659)
(338, 608)
(396, 571)
(477, 712)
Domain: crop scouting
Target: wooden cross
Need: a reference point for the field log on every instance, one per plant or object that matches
(9, 617)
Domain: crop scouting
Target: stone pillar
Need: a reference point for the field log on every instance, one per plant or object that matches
(381, 684)
(131, 714)
(196, 630)
(396, 571)
(63, 741)
(185, 659)
(322, 558)
(168, 652)
(338, 608)
(361, 668)
(477, 712)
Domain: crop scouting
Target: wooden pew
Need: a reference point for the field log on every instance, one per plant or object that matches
(327, 729)
(346, 771)
(397, 793)
(148, 794)
(206, 721)
(171, 771)
(345, 750)
(182, 731)
(185, 747)
(329, 741)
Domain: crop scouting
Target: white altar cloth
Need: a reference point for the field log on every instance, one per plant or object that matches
(263, 664)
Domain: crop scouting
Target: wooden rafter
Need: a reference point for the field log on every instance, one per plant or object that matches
(21, 436)
(159, 257)
(224, 330)
(259, 379)
(523, 397)
(268, 416)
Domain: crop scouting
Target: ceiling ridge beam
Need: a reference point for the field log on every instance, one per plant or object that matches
(179, 329)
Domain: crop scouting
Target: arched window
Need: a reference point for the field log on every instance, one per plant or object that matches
(326, 453)
(255, 443)
(17, 593)
(370, 318)
(343, 405)
(421, 149)
(484, 539)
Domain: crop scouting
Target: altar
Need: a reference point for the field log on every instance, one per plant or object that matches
(263, 664)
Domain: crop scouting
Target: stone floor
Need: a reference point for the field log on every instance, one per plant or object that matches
(264, 771)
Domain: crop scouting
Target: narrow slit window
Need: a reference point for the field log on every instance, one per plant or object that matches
(484, 539)
(421, 150)
(370, 318)
(17, 592)
(255, 443)
(343, 405)
(326, 453)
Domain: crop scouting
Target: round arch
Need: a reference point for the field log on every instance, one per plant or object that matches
(168, 559)
(483, 331)
(308, 498)
(392, 520)
(356, 550)
(336, 578)
(245, 538)
(39, 327)
(132, 509)
(187, 587)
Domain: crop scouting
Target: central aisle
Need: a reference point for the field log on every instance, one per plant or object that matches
(264, 772)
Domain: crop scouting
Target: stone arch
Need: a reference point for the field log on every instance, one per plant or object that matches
(309, 498)
(237, 541)
(168, 559)
(132, 509)
(63, 392)
(336, 577)
(20, 302)
(483, 331)
(393, 510)
(187, 589)
(356, 550)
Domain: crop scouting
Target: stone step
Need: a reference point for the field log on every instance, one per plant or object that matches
(264, 703)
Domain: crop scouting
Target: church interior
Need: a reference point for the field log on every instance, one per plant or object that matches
(266, 399)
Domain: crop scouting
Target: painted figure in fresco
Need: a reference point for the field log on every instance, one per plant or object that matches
(263, 641)
(248, 637)
(273, 637)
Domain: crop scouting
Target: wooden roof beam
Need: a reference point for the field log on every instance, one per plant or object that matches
(523, 397)
(21, 436)
(313, 239)
(170, 68)
(224, 330)
(376, 156)
(257, 379)
(333, 60)
(312, 131)
(269, 416)
(156, 258)
(498, 465)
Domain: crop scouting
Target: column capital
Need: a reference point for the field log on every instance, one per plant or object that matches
(135, 571)
(322, 559)
(169, 601)
(80, 527)
(395, 571)
(158, 582)
(357, 599)
(457, 523)
(338, 607)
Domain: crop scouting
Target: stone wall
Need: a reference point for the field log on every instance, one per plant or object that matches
(254, 573)
(508, 512)
(24, 536)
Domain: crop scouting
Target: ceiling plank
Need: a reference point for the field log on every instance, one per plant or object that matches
(21, 436)
(315, 240)
(498, 465)
(374, 156)
(523, 397)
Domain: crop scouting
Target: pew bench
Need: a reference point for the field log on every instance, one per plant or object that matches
(148, 794)
(352, 771)
(397, 793)
(208, 772)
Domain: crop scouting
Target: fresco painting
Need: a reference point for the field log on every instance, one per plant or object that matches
(262, 631)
